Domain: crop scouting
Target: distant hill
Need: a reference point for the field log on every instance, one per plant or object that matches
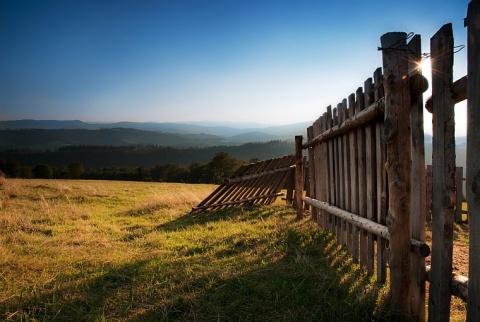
(51, 134)
(41, 139)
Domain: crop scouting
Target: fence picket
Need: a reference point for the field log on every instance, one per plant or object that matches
(397, 135)
(473, 159)
(370, 173)
(381, 193)
(443, 196)
(418, 212)
(353, 180)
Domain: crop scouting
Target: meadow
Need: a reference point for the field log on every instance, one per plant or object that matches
(130, 251)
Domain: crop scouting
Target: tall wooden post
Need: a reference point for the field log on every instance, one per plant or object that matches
(299, 175)
(398, 140)
(473, 158)
(418, 85)
(443, 164)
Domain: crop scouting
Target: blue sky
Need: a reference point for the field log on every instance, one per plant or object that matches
(264, 61)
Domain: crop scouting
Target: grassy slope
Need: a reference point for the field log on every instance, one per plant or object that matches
(97, 250)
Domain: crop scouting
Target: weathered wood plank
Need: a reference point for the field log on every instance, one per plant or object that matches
(459, 92)
(370, 173)
(346, 178)
(337, 175)
(342, 197)
(443, 197)
(353, 207)
(331, 163)
(299, 175)
(362, 180)
(398, 140)
(311, 167)
(473, 159)
(381, 181)
(418, 206)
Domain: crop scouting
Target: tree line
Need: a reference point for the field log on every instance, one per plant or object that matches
(222, 166)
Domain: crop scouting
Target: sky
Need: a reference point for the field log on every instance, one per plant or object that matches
(265, 61)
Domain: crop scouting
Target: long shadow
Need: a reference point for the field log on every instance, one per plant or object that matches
(292, 278)
(238, 214)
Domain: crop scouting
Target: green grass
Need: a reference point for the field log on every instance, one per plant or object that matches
(125, 251)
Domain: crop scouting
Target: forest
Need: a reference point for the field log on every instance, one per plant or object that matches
(138, 163)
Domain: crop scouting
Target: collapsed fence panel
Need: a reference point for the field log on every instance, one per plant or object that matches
(252, 184)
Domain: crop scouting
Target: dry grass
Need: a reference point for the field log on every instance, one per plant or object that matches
(117, 251)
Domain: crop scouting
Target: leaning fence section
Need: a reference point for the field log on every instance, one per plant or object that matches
(255, 183)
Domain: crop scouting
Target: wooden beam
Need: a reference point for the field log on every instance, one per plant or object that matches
(473, 158)
(374, 111)
(247, 177)
(398, 140)
(459, 93)
(366, 224)
(299, 175)
(443, 164)
(418, 206)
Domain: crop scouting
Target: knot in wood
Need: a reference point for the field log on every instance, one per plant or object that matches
(390, 221)
(448, 199)
(389, 129)
(391, 80)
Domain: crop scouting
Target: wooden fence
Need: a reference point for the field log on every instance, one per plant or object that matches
(366, 172)
(254, 183)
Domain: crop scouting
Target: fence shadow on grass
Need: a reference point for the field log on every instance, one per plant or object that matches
(298, 273)
(238, 214)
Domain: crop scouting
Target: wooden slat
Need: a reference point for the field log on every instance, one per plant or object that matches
(418, 206)
(398, 140)
(331, 164)
(311, 166)
(341, 158)
(362, 181)
(381, 181)
(337, 175)
(352, 180)
(318, 167)
(346, 179)
(473, 159)
(443, 198)
(370, 175)
(299, 175)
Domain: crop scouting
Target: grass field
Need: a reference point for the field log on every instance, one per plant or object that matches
(111, 251)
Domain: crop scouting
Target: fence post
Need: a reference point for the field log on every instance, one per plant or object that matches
(398, 140)
(473, 159)
(443, 164)
(299, 175)
(418, 85)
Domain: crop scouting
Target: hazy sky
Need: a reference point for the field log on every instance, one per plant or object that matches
(265, 61)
